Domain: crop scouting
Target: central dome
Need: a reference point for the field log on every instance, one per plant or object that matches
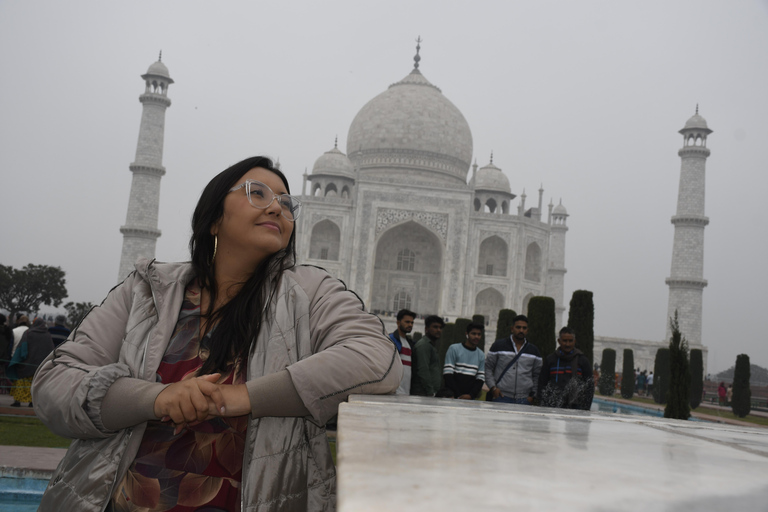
(411, 126)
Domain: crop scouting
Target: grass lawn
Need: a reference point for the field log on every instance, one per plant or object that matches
(28, 431)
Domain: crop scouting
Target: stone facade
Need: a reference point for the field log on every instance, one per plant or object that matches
(140, 231)
(413, 232)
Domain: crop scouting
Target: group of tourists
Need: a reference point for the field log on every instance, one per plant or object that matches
(513, 371)
(22, 349)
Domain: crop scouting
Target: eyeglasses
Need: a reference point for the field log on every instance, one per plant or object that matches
(261, 196)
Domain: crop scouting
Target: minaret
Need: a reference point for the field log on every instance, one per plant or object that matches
(686, 282)
(556, 266)
(140, 231)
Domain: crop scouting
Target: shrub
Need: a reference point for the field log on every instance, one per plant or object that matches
(628, 374)
(679, 390)
(697, 377)
(581, 318)
(607, 382)
(504, 325)
(742, 395)
(661, 376)
(541, 324)
(480, 319)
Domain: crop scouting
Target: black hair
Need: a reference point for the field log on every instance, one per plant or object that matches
(405, 312)
(474, 326)
(520, 318)
(433, 319)
(567, 330)
(233, 327)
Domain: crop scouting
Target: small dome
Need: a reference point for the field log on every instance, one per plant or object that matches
(335, 163)
(491, 178)
(560, 210)
(158, 69)
(696, 122)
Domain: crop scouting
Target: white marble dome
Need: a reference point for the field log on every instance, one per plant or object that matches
(411, 126)
(560, 210)
(696, 121)
(334, 163)
(491, 178)
(158, 69)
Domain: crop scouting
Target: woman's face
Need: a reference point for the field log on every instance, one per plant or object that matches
(247, 234)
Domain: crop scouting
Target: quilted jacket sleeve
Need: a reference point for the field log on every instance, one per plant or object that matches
(350, 352)
(70, 384)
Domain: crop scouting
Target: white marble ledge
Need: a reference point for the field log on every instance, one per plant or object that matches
(410, 453)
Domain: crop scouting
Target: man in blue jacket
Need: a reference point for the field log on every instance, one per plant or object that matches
(512, 366)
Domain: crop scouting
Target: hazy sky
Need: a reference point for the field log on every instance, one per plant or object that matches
(584, 97)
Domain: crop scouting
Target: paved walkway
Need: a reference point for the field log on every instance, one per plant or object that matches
(695, 414)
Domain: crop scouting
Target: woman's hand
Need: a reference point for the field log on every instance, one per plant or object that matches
(191, 400)
(238, 402)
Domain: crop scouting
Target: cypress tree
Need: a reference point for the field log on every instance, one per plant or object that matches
(541, 324)
(607, 381)
(679, 390)
(581, 318)
(628, 374)
(480, 319)
(661, 376)
(741, 403)
(697, 377)
(460, 334)
(445, 341)
(504, 325)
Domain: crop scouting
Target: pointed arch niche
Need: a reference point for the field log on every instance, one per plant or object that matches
(533, 262)
(408, 260)
(325, 241)
(492, 257)
(488, 303)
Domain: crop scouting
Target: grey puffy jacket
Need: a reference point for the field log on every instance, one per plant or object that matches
(317, 330)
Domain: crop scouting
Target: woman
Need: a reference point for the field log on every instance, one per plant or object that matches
(206, 385)
(721, 392)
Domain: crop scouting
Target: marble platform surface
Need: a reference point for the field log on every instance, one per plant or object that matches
(420, 454)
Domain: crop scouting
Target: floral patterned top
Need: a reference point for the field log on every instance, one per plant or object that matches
(200, 468)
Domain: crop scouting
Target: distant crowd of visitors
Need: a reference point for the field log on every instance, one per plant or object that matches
(22, 349)
(512, 372)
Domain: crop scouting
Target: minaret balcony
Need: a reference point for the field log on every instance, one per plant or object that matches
(150, 170)
(136, 232)
(157, 99)
(686, 282)
(695, 151)
(690, 220)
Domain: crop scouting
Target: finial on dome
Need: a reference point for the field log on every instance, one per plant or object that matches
(697, 109)
(417, 58)
(160, 58)
(336, 143)
(491, 157)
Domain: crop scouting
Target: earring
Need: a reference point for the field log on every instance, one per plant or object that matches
(215, 246)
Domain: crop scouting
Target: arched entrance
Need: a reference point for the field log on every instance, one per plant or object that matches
(488, 303)
(408, 263)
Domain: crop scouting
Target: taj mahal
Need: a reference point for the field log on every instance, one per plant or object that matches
(407, 221)
(404, 223)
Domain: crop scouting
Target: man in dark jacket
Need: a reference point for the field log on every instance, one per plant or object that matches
(59, 331)
(566, 376)
(426, 376)
(512, 366)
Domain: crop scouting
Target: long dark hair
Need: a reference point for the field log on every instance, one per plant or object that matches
(238, 322)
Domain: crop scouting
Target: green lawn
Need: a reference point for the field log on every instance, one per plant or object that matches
(28, 431)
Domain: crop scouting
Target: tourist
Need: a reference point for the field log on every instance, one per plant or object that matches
(35, 345)
(721, 393)
(22, 324)
(649, 384)
(512, 366)
(565, 380)
(729, 394)
(6, 349)
(59, 331)
(464, 368)
(404, 345)
(221, 371)
(426, 379)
